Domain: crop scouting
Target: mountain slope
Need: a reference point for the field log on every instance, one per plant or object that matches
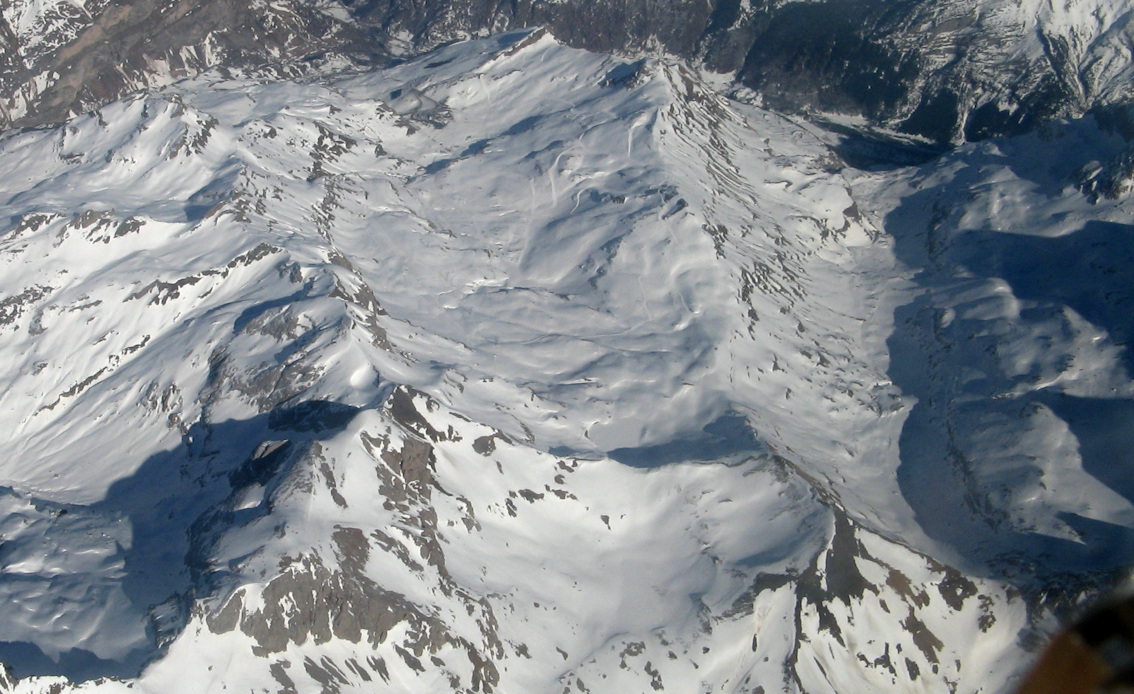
(520, 368)
(940, 69)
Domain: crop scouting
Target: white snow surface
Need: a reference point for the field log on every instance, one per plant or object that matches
(618, 385)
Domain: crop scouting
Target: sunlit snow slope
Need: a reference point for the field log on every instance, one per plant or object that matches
(517, 368)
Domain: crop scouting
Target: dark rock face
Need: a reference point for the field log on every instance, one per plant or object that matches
(825, 55)
(315, 598)
(598, 25)
(85, 58)
(932, 68)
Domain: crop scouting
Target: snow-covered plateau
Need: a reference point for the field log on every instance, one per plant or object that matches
(517, 368)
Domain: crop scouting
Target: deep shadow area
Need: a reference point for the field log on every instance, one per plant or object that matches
(824, 54)
(28, 660)
(164, 502)
(623, 74)
(1090, 271)
(869, 151)
(1105, 430)
(935, 478)
(218, 190)
(727, 436)
(253, 312)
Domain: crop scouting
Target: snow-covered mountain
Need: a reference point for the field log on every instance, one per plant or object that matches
(519, 368)
(941, 69)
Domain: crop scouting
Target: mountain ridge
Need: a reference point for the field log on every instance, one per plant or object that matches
(936, 69)
(408, 379)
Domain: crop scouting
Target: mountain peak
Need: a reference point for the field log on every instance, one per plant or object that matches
(517, 367)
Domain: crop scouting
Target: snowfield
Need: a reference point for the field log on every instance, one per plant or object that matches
(516, 368)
